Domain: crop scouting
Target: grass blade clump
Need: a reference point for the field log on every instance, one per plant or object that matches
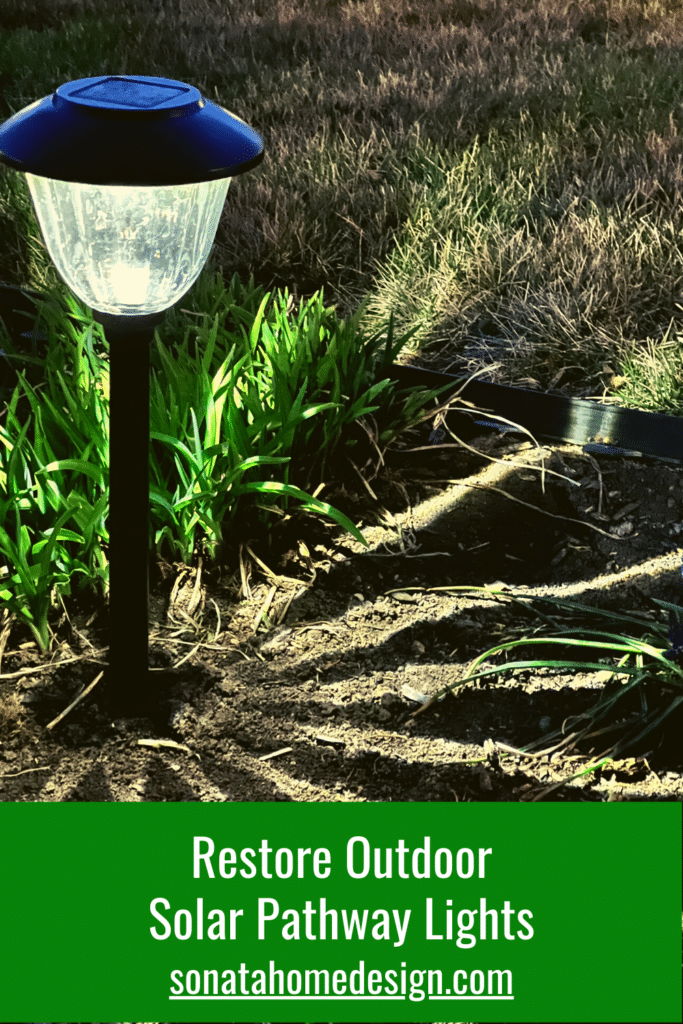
(53, 475)
(249, 405)
(255, 402)
(640, 653)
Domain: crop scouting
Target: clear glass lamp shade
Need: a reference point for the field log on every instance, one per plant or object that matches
(127, 249)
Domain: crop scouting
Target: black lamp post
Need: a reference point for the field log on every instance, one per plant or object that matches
(128, 176)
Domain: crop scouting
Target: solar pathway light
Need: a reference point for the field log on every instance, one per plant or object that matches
(128, 176)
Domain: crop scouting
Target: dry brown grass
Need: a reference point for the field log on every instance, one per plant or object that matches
(10, 714)
(509, 173)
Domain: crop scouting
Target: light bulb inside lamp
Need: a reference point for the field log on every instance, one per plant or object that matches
(129, 282)
(128, 249)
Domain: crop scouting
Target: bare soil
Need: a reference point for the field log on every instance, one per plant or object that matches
(320, 706)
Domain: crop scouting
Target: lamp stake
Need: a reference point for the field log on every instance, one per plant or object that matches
(128, 175)
(129, 351)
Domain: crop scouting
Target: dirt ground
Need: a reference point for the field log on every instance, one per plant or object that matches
(305, 688)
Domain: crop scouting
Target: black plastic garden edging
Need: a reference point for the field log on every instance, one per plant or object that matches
(598, 428)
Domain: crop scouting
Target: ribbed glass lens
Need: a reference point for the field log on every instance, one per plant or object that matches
(128, 249)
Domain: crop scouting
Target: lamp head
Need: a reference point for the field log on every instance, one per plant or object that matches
(128, 176)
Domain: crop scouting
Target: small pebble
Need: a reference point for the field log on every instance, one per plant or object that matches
(622, 530)
(390, 700)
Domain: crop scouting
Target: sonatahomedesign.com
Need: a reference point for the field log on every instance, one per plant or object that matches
(244, 983)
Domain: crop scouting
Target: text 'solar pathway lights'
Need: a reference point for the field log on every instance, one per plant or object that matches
(128, 176)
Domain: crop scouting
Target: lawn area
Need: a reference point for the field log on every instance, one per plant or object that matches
(505, 175)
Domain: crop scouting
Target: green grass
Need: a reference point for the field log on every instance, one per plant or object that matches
(251, 400)
(643, 686)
